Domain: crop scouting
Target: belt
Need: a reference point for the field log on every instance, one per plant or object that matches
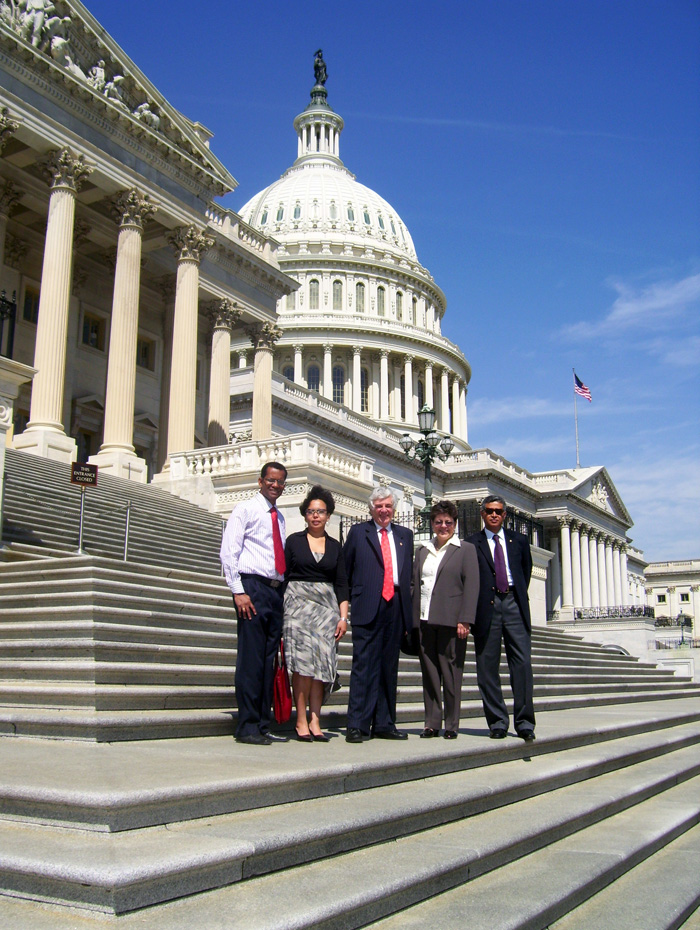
(270, 582)
(505, 593)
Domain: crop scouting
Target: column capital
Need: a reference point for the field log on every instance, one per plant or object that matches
(357, 350)
(408, 359)
(8, 127)
(132, 208)
(190, 243)
(584, 529)
(384, 353)
(564, 521)
(63, 169)
(575, 525)
(327, 347)
(9, 196)
(695, 588)
(223, 313)
(298, 348)
(264, 335)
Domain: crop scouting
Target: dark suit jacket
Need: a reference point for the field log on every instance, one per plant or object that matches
(456, 586)
(520, 561)
(365, 568)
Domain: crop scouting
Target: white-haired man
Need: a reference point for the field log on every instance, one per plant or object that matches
(378, 557)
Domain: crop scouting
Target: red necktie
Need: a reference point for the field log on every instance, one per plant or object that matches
(280, 561)
(388, 586)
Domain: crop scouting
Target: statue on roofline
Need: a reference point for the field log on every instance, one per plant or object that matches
(320, 71)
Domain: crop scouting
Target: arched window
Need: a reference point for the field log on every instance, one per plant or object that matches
(381, 303)
(364, 390)
(421, 395)
(351, 214)
(290, 300)
(403, 397)
(297, 210)
(366, 216)
(288, 372)
(338, 384)
(313, 377)
(337, 295)
(381, 221)
(399, 305)
(280, 213)
(263, 219)
(414, 317)
(360, 297)
(313, 294)
(393, 228)
(333, 211)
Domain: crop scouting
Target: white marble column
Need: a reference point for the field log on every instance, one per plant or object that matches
(396, 392)
(462, 411)
(585, 568)
(263, 336)
(624, 576)
(357, 379)
(602, 572)
(223, 315)
(593, 562)
(445, 401)
(384, 384)
(408, 389)
(456, 418)
(429, 397)
(299, 364)
(555, 575)
(9, 196)
(327, 386)
(617, 579)
(374, 388)
(609, 572)
(566, 586)
(190, 244)
(45, 434)
(576, 563)
(117, 455)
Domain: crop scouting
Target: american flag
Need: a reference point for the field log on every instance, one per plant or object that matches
(581, 389)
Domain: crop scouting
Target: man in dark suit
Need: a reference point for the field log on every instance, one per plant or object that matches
(378, 558)
(503, 613)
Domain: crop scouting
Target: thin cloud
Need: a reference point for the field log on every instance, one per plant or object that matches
(654, 307)
(484, 410)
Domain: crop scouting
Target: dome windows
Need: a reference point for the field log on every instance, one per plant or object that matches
(314, 294)
(381, 221)
(337, 295)
(365, 215)
(364, 391)
(399, 306)
(280, 213)
(288, 372)
(338, 384)
(393, 228)
(351, 214)
(313, 377)
(263, 218)
(360, 297)
(297, 211)
(381, 301)
(333, 211)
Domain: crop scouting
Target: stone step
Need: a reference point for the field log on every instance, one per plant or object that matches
(443, 831)
(618, 854)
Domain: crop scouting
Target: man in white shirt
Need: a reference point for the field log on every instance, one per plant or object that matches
(252, 555)
(503, 614)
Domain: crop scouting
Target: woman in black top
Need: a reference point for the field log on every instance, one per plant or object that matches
(315, 611)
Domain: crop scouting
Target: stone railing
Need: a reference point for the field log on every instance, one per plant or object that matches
(232, 226)
(297, 449)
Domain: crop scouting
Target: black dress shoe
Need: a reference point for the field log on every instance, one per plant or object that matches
(498, 733)
(429, 733)
(527, 735)
(353, 735)
(450, 734)
(305, 738)
(320, 738)
(255, 739)
(390, 734)
(276, 738)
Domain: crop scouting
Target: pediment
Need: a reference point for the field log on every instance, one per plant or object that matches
(69, 44)
(599, 490)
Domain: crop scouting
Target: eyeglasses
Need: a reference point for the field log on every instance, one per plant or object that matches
(280, 482)
(316, 513)
(497, 510)
(446, 523)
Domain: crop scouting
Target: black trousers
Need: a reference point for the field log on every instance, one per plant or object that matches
(258, 641)
(375, 670)
(507, 625)
(442, 655)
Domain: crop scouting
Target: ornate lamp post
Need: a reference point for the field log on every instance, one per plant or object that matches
(426, 450)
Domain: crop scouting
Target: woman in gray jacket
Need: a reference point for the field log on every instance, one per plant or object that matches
(445, 592)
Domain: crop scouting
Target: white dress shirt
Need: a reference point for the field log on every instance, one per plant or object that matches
(492, 546)
(429, 572)
(247, 545)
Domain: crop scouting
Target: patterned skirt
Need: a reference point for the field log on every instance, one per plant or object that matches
(310, 618)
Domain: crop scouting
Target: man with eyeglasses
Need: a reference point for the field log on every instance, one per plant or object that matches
(503, 614)
(252, 555)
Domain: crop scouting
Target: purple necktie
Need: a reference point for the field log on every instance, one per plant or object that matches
(500, 565)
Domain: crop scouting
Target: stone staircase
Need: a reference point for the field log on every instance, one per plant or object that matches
(595, 825)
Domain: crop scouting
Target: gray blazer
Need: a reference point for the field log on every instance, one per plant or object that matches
(456, 588)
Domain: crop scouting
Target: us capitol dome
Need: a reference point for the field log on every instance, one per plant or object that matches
(363, 330)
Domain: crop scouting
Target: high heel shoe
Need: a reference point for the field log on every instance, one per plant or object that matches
(320, 738)
(304, 737)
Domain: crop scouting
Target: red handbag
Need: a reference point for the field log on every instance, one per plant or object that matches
(282, 692)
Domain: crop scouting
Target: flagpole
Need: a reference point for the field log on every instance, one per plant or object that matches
(578, 463)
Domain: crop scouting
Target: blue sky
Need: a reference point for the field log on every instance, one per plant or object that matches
(545, 155)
